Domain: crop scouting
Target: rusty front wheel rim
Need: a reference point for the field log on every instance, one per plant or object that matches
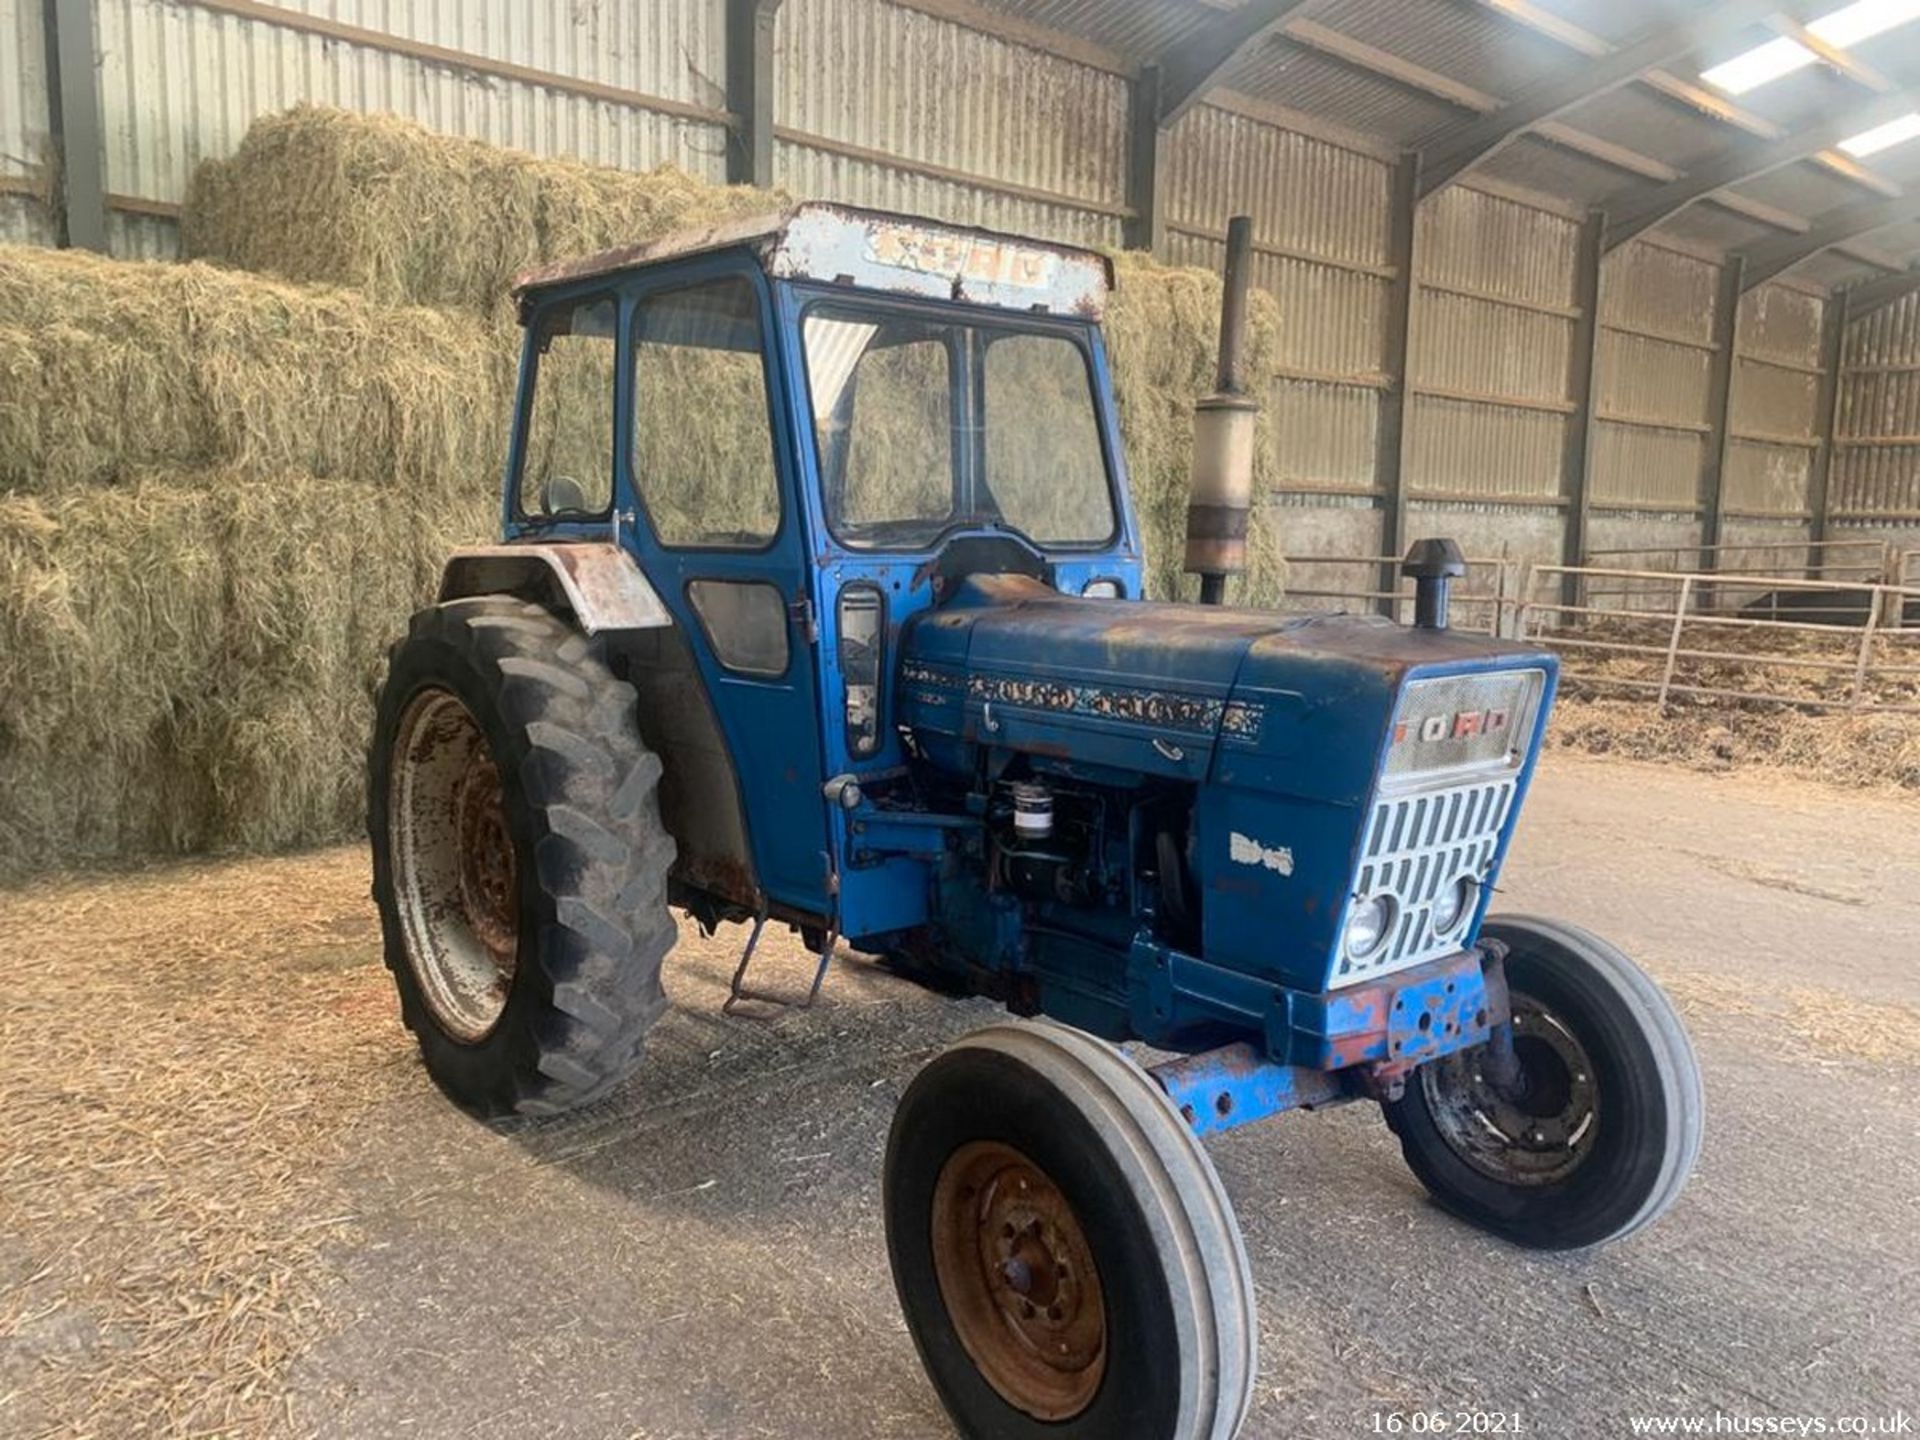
(1018, 1280)
(456, 873)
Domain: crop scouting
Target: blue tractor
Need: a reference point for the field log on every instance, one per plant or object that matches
(820, 603)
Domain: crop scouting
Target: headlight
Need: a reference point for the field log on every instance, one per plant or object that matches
(1369, 922)
(1453, 905)
(1102, 590)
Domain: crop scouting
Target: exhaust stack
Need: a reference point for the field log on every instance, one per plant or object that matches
(1221, 492)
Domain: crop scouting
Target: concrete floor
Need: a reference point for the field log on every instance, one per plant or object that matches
(703, 1255)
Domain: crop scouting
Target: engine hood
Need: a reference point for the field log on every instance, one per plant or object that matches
(1182, 691)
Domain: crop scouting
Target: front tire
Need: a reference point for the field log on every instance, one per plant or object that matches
(519, 861)
(1600, 1134)
(1067, 1261)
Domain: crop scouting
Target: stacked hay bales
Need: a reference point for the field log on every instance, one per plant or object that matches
(409, 217)
(327, 196)
(220, 493)
(216, 492)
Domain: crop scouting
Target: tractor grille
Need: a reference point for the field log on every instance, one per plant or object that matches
(1417, 844)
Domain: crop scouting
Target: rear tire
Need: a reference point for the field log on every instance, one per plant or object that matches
(1067, 1261)
(1603, 1135)
(519, 861)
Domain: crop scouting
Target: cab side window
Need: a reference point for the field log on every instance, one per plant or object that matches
(702, 434)
(566, 468)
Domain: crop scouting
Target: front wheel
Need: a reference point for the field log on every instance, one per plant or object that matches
(1594, 1128)
(1067, 1260)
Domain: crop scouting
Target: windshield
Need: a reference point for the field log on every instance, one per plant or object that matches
(925, 425)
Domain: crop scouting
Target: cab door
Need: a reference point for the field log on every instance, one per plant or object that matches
(717, 527)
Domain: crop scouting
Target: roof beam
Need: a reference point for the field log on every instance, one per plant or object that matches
(1484, 138)
(1312, 35)
(1693, 95)
(1643, 212)
(1874, 295)
(1839, 59)
(1769, 257)
(1189, 69)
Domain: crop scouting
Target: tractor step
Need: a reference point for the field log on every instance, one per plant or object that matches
(740, 993)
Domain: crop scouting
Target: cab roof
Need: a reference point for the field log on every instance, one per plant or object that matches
(873, 250)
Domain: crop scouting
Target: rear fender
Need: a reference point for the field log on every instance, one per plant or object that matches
(597, 583)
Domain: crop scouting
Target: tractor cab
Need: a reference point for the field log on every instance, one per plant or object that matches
(805, 430)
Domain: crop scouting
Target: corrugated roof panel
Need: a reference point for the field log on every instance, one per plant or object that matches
(1804, 95)
(1805, 190)
(1715, 228)
(1833, 269)
(1467, 43)
(1556, 170)
(1619, 20)
(1650, 122)
(1287, 75)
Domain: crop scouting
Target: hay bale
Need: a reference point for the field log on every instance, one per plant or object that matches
(108, 369)
(412, 217)
(189, 661)
(1163, 338)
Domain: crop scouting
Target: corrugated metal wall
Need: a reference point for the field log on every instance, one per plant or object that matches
(24, 123)
(1774, 421)
(181, 80)
(881, 105)
(1653, 372)
(888, 105)
(1321, 222)
(1876, 466)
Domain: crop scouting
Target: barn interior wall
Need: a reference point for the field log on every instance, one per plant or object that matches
(901, 105)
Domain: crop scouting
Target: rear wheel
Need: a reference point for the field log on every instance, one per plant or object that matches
(1595, 1130)
(1067, 1261)
(519, 861)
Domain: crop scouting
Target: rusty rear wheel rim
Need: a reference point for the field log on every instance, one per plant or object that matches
(456, 871)
(1018, 1280)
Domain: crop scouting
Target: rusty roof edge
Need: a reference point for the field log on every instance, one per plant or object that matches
(764, 231)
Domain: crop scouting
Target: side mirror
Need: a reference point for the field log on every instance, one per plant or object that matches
(564, 495)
